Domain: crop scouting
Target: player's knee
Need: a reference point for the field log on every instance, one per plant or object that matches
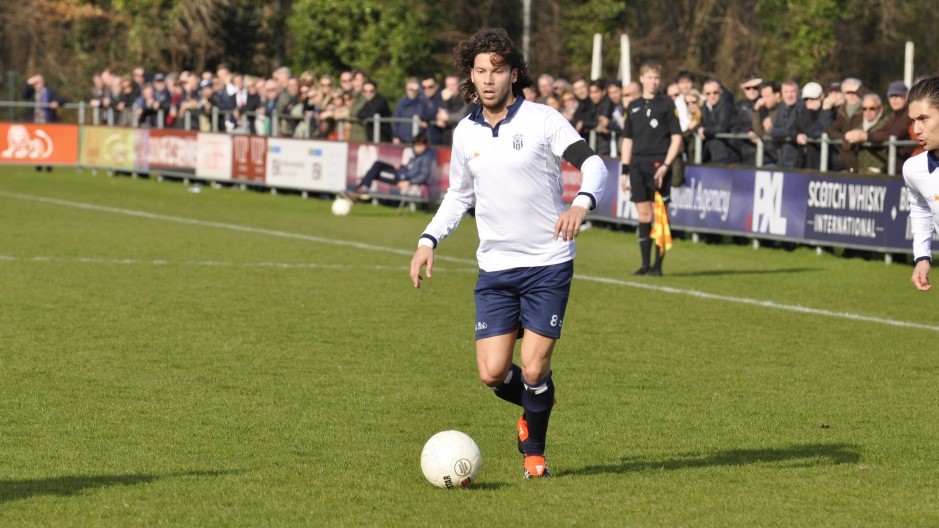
(534, 374)
(493, 379)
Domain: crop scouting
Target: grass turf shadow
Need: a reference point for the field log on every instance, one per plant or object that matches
(17, 489)
(805, 455)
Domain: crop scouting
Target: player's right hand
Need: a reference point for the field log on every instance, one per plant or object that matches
(920, 277)
(660, 172)
(424, 256)
(624, 182)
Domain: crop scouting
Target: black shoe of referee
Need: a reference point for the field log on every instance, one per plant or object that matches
(642, 271)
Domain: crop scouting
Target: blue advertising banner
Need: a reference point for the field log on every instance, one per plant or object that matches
(837, 210)
(855, 212)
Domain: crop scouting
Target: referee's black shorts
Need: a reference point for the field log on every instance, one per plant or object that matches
(642, 178)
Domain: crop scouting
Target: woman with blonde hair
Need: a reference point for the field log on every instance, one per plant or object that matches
(693, 100)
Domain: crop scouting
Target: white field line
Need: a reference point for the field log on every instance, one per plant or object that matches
(763, 304)
(221, 225)
(370, 247)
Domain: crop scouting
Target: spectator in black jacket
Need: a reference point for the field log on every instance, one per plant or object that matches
(783, 124)
(585, 115)
(717, 117)
(810, 123)
(604, 113)
(743, 122)
(375, 103)
(764, 112)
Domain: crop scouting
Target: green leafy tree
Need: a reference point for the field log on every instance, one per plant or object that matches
(581, 20)
(388, 39)
(799, 37)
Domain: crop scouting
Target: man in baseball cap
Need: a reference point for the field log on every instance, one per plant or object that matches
(811, 121)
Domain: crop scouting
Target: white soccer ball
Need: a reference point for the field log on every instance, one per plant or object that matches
(342, 206)
(451, 459)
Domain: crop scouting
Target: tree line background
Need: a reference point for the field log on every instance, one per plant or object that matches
(822, 40)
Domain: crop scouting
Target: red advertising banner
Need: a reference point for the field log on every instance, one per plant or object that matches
(443, 172)
(42, 144)
(249, 158)
(572, 179)
(171, 149)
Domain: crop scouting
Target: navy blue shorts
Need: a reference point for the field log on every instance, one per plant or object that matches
(532, 298)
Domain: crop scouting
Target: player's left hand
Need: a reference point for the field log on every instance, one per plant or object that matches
(568, 224)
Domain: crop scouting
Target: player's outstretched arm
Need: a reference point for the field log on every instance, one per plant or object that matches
(424, 256)
(920, 277)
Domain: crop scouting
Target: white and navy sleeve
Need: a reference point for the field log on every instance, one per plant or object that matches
(567, 143)
(460, 197)
(922, 225)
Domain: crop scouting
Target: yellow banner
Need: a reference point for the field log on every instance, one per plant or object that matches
(108, 147)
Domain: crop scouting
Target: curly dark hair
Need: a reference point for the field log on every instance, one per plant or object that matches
(505, 52)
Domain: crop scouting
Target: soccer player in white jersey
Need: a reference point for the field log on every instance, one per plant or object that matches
(921, 173)
(506, 162)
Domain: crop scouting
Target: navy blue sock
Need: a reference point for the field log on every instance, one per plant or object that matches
(537, 401)
(645, 242)
(511, 388)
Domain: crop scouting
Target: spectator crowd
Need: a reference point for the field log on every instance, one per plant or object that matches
(783, 122)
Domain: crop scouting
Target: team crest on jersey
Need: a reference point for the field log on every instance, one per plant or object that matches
(517, 142)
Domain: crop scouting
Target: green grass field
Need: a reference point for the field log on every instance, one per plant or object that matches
(232, 358)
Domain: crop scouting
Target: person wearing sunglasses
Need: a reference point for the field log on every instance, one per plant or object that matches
(849, 117)
(408, 106)
(897, 124)
(871, 159)
(743, 122)
(717, 117)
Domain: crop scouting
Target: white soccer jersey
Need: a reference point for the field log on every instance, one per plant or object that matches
(512, 173)
(921, 173)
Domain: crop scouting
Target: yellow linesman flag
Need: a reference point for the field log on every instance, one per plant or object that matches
(661, 231)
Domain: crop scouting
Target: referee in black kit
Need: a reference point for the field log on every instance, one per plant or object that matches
(651, 142)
